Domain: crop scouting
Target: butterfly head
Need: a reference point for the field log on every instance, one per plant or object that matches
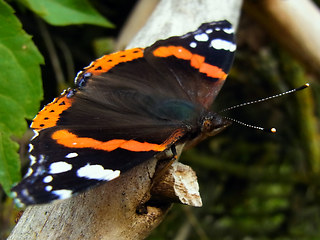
(213, 123)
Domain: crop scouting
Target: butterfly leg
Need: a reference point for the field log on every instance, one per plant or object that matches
(164, 165)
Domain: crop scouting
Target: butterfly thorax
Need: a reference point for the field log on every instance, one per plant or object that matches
(209, 125)
(212, 124)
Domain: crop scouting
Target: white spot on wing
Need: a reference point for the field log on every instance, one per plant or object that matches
(26, 195)
(18, 203)
(30, 147)
(41, 159)
(208, 31)
(72, 155)
(97, 172)
(47, 179)
(38, 171)
(36, 134)
(193, 44)
(223, 44)
(228, 30)
(59, 167)
(201, 37)
(30, 171)
(48, 188)
(76, 78)
(25, 192)
(32, 159)
(63, 193)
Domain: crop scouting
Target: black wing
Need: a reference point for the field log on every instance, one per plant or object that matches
(127, 107)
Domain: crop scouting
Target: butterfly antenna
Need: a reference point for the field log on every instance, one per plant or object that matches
(266, 99)
(270, 130)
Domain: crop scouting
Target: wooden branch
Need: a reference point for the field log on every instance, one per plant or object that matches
(178, 185)
(138, 17)
(109, 211)
(173, 17)
(295, 24)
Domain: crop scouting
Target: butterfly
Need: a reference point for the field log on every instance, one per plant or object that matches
(126, 108)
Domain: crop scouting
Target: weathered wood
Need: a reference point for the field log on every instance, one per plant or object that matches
(136, 20)
(109, 211)
(178, 185)
(173, 17)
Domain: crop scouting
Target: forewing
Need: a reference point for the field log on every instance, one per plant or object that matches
(198, 61)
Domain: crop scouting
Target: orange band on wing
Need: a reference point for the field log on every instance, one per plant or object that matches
(50, 114)
(196, 60)
(70, 140)
(106, 62)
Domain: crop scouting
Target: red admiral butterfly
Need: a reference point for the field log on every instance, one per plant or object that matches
(126, 108)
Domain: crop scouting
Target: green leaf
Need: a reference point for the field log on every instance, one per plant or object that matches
(20, 90)
(67, 12)
(9, 161)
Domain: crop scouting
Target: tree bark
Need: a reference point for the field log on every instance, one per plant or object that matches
(109, 211)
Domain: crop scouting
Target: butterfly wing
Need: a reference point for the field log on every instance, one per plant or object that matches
(199, 63)
(127, 107)
(82, 143)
